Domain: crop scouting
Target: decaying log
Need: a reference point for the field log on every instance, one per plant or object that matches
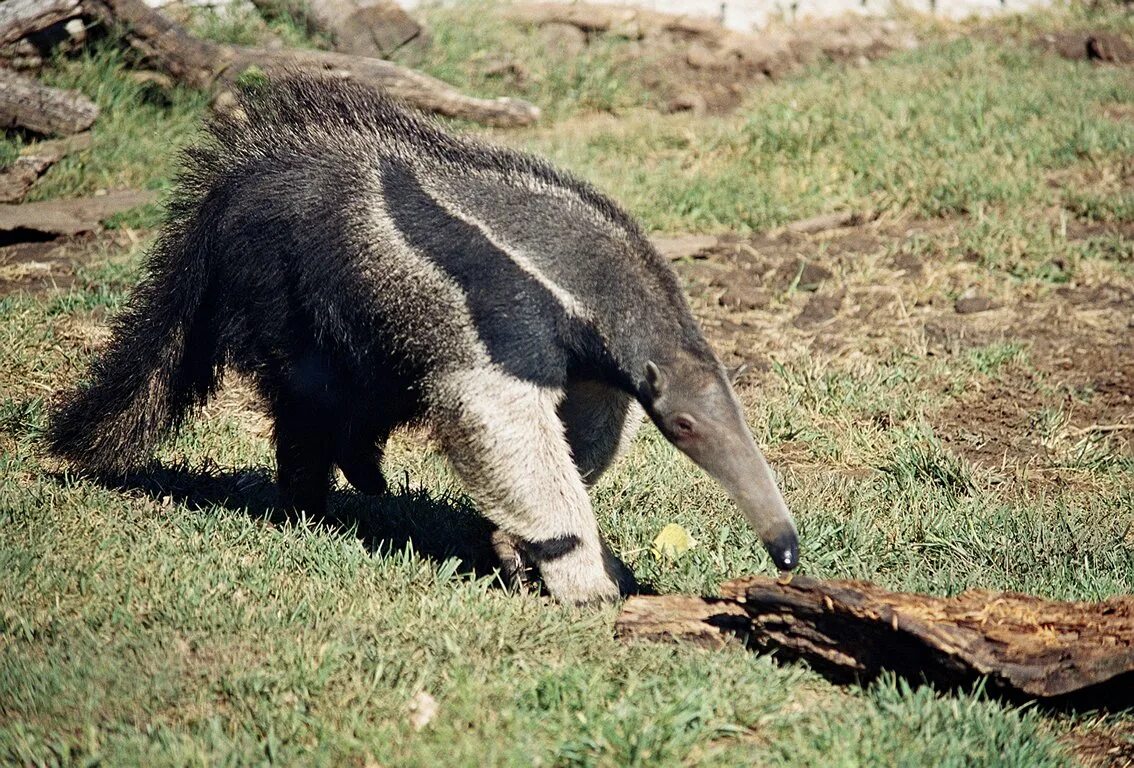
(678, 247)
(69, 217)
(30, 30)
(1026, 646)
(17, 178)
(202, 64)
(375, 28)
(824, 222)
(709, 45)
(413, 87)
(634, 23)
(27, 103)
(1101, 46)
(21, 18)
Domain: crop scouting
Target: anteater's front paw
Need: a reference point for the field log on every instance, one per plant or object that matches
(516, 565)
(588, 576)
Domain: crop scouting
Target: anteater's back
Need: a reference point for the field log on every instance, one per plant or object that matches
(320, 220)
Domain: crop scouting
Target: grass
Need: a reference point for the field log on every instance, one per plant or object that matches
(172, 622)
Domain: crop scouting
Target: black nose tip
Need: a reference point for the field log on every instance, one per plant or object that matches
(784, 550)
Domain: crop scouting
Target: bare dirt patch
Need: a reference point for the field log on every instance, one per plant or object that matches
(1103, 747)
(47, 264)
(857, 293)
(695, 64)
(35, 267)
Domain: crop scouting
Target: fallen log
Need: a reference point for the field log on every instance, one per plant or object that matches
(27, 103)
(413, 87)
(34, 160)
(203, 64)
(1025, 646)
(31, 31)
(633, 23)
(375, 28)
(708, 45)
(22, 18)
(824, 222)
(678, 247)
(75, 216)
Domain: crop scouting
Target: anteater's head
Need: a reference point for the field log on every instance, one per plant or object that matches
(692, 402)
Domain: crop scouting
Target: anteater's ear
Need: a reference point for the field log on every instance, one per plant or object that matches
(655, 382)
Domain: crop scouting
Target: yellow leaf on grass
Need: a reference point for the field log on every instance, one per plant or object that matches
(673, 542)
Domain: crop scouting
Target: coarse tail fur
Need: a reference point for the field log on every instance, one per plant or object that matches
(367, 269)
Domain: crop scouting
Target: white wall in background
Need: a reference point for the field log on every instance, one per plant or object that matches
(744, 15)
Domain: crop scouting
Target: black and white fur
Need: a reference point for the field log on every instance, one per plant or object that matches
(368, 270)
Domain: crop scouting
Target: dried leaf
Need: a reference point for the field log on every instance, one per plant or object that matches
(673, 542)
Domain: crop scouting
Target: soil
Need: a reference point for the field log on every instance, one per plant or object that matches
(855, 292)
(38, 262)
(695, 65)
(1103, 747)
(37, 266)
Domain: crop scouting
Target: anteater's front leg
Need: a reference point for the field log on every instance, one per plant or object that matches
(506, 441)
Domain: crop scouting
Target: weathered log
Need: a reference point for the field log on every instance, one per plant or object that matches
(27, 103)
(68, 217)
(21, 18)
(678, 247)
(415, 88)
(1101, 46)
(1025, 646)
(375, 28)
(34, 160)
(710, 45)
(634, 23)
(203, 64)
(823, 222)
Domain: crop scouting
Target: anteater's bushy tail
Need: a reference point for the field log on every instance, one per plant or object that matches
(161, 361)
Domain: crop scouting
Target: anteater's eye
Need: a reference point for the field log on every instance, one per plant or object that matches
(683, 426)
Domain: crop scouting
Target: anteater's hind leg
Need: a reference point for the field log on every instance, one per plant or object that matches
(359, 456)
(506, 441)
(304, 454)
(600, 422)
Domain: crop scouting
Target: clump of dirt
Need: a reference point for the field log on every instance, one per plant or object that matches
(34, 267)
(44, 264)
(697, 65)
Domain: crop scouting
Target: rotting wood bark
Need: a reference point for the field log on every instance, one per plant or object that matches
(34, 160)
(375, 28)
(1025, 645)
(21, 18)
(711, 47)
(68, 217)
(634, 23)
(28, 104)
(203, 64)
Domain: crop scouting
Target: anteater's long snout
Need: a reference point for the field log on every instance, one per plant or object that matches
(731, 456)
(750, 482)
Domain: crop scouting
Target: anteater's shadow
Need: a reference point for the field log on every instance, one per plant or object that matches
(438, 527)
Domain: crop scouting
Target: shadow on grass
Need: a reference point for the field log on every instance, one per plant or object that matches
(437, 527)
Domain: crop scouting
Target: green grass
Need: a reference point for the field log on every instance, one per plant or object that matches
(952, 128)
(172, 622)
